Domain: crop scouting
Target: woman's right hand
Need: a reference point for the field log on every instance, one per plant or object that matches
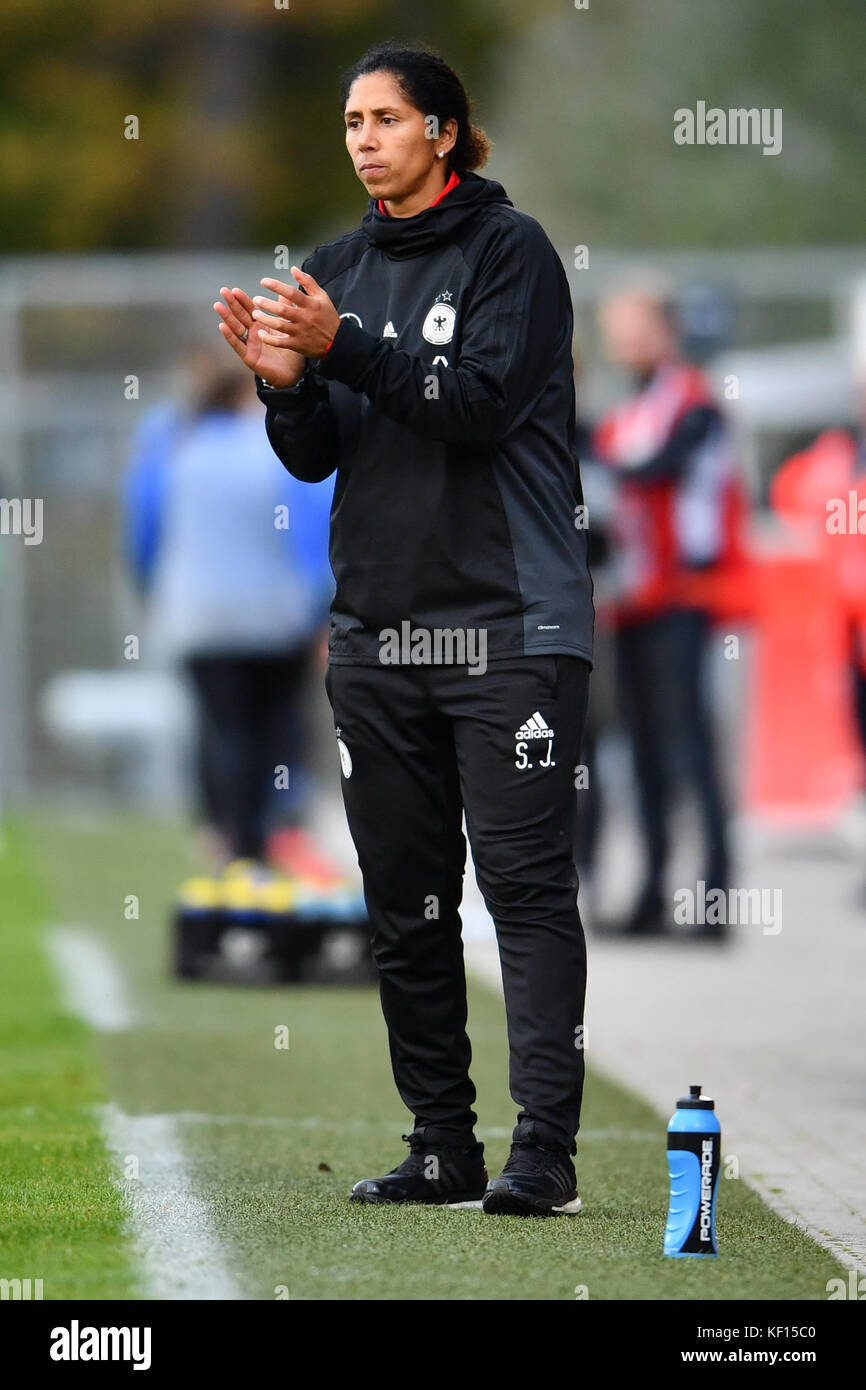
(279, 366)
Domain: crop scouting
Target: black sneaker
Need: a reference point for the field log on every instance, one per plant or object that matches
(435, 1174)
(648, 917)
(537, 1180)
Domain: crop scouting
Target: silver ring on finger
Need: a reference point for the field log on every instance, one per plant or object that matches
(245, 335)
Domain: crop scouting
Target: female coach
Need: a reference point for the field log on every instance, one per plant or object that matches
(427, 358)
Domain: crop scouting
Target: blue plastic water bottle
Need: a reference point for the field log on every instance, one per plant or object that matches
(694, 1160)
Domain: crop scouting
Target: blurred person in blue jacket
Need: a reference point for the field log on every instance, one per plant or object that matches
(230, 553)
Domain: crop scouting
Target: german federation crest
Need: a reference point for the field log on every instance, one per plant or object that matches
(439, 324)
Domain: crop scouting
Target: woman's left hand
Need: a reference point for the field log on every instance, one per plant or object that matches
(304, 322)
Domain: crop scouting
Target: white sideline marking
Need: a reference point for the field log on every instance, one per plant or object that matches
(170, 1224)
(174, 1237)
(91, 982)
(198, 1117)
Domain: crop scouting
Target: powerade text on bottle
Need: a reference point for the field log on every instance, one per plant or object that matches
(694, 1153)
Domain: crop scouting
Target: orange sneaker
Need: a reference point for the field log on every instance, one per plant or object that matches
(294, 851)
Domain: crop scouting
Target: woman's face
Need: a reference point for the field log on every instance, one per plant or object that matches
(390, 137)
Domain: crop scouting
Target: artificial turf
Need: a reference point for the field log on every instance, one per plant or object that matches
(62, 1217)
(275, 1138)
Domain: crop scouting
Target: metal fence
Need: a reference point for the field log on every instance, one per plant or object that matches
(87, 344)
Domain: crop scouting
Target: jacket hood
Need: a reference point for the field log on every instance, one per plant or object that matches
(402, 237)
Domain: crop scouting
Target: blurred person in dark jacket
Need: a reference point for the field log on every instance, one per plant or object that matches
(229, 552)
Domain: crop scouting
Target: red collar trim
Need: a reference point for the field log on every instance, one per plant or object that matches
(452, 183)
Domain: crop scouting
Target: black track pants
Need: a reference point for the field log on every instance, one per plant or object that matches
(249, 721)
(420, 744)
(661, 663)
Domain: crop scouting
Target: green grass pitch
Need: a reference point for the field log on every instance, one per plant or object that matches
(276, 1137)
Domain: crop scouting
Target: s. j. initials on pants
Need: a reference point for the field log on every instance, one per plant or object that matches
(535, 727)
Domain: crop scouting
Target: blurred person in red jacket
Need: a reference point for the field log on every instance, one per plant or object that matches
(823, 488)
(674, 523)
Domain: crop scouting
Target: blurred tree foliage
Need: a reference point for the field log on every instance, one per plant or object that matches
(612, 77)
(240, 138)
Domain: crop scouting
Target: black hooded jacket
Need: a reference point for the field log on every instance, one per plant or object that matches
(446, 404)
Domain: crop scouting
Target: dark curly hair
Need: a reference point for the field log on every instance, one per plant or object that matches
(433, 88)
